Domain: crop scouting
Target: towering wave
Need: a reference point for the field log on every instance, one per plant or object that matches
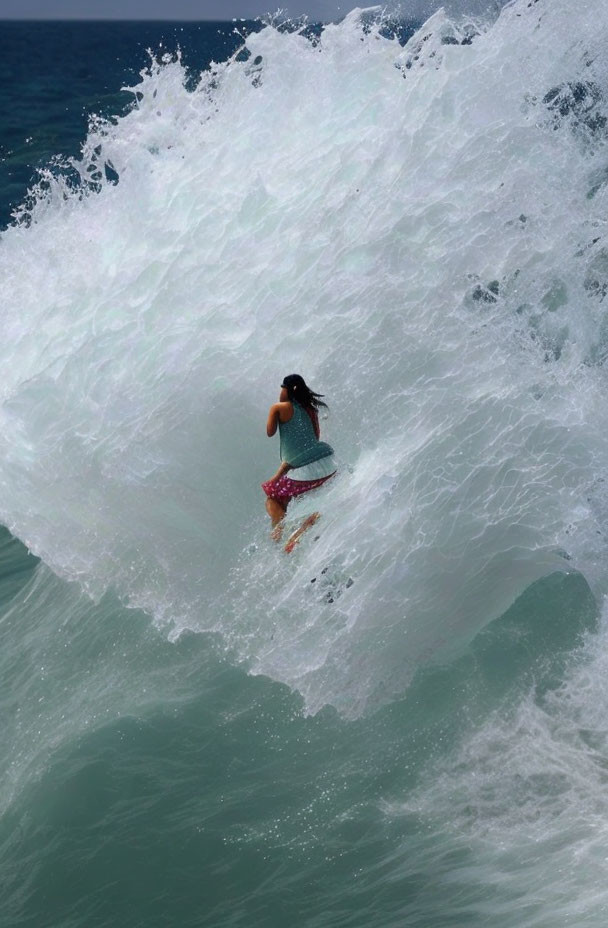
(421, 232)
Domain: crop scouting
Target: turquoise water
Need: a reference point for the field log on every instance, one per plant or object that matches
(404, 723)
(153, 782)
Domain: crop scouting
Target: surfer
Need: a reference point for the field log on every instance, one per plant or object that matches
(308, 460)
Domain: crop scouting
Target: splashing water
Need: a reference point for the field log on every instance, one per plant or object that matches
(421, 232)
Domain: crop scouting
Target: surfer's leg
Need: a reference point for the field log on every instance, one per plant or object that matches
(276, 511)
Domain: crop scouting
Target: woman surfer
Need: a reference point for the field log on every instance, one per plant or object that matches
(308, 460)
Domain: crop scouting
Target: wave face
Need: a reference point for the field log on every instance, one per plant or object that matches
(404, 721)
(421, 232)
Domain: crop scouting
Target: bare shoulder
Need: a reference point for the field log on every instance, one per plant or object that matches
(278, 412)
(284, 411)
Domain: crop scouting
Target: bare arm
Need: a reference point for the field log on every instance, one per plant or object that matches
(273, 420)
(282, 470)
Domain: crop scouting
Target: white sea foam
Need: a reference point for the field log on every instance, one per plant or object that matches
(526, 792)
(421, 232)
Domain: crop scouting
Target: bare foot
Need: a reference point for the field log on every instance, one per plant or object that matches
(277, 532)
(293, 540)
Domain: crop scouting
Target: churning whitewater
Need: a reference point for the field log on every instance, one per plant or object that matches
(404, 721)
(421, 231)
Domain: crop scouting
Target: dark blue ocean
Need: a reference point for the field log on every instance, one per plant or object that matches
(55, 75)
(402, 724)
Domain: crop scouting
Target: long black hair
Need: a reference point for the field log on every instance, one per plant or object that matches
(298, 390)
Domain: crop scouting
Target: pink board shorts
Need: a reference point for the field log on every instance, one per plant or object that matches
(283, 490)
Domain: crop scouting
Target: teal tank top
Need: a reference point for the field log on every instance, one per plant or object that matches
(299, 444)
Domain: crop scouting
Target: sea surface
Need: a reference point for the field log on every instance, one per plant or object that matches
(404, 723)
